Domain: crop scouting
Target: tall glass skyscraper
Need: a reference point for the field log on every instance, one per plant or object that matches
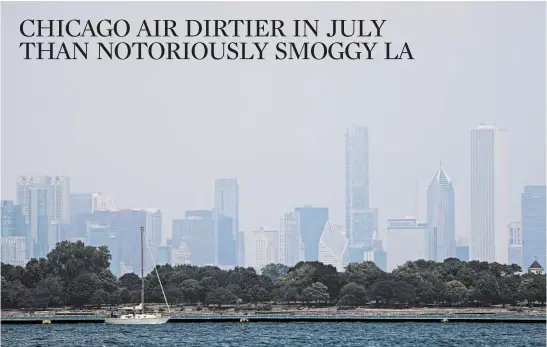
(227, 203)
(489, 195)
(440, 218)
(533, 228)
(357, 188)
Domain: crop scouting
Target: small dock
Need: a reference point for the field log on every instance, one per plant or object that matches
(292, 319)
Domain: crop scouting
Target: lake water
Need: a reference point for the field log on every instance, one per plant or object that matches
(276, 334)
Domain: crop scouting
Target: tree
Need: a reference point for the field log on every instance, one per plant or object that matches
(191, 290)
(455, 292)
(317, 292)
(356, 291)
(220, 296)
(347, 300)
(68, 260)
(275, 272)
(99, 298)
(82, 288)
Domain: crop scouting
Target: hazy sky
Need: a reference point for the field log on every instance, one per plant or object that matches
(157, 134)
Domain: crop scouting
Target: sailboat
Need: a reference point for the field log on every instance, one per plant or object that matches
(141, 318)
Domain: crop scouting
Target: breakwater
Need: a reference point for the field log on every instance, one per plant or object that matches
(292, 318)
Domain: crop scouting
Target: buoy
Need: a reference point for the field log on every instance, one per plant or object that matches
(243, 320)
(444, 320)
(46, 321)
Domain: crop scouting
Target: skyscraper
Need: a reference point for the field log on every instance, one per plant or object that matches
(13, 222)
(80, 203)
(289, 240)
(226, 247)
(533, 228)
(489, 194)
(440, 218)
(265, 247)
(515, 243)
(333, 247)
(406, 241)
(227, 203)
(311, 221)
(357, 185)
(60, 199)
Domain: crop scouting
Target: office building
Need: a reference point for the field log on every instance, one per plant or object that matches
(311, 222)
(80, 203)
(357, 185)
(59, 210)
(265, 247)
(199, 239)
(440, 218)
(227, 203)
(225, 243)
(13, 222)
(101, 202)
(97, 234)
(407, 240)
(489, 194)
(333, 247)
(515, 243)
(289, 240)
(533, 227)
(14, 250)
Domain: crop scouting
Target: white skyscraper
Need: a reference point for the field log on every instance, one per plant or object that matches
(60, 199)
(265, 247)
(333, 247)
(357, 187)
(440, 218)
(489, 194)
(227, 203)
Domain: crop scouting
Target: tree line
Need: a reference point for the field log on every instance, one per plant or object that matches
(76, 275)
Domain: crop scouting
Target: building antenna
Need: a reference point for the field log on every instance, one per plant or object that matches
(416, 202)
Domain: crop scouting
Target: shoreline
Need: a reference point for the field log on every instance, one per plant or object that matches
(296, 312)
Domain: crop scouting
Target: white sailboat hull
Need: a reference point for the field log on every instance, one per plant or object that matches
(138, 320)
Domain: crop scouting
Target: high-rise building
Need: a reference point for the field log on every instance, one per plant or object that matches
(80, 203)
(357, 185)
(462, 249)
(489, 194)
(407, 240)
(45, 205)
(333, 247)
(289, 240)
(533, 226)
(225, 244)
(101, 202)
(126, 225)
(199, 238)
(97, 235)
(178, 232)
(311, 221)
(515, 243)
(14, 250)
(227, 203)
(60, 199)
(440, 218)
(13, 222)
(265, 247)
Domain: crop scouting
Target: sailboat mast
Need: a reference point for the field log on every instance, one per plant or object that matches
(142, 269)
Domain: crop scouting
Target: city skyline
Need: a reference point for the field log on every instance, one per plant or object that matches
(100, 199)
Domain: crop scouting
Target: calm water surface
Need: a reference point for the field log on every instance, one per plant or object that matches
(276, 334)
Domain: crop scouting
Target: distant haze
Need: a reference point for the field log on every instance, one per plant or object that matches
(157, 134)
